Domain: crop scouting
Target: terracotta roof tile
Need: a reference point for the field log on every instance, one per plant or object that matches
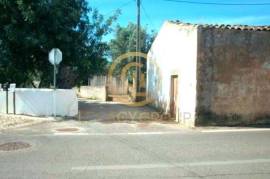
(225, 26)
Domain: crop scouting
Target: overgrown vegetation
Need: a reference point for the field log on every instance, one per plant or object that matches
(30, 29)
(125, 41)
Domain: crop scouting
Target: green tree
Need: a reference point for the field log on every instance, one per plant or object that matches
(30, 29)
(125, 41)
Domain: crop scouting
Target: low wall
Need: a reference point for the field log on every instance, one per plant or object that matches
(93, 92)
(41, 102)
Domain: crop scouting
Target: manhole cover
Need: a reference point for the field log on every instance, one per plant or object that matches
(67, 130)
(10, 146)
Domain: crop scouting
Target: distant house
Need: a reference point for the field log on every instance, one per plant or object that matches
(211, 74)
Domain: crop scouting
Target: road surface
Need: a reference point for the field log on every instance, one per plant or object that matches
(71, 149)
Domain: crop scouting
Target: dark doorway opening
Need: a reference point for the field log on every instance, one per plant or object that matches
(174, 94)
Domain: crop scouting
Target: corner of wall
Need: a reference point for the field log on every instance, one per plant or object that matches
(197, 73)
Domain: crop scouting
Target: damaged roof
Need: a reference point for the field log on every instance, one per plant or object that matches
(225, 26)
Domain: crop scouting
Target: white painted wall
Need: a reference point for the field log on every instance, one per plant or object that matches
(92, 92)
(174, 52)
(40, 102)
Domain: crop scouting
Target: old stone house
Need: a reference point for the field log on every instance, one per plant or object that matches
(211, 74)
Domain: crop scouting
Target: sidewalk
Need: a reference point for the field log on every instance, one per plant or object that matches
(13, 121)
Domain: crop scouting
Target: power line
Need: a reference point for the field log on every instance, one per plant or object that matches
(109, 13)
(120, 7)
(219, 4)
(146, 14)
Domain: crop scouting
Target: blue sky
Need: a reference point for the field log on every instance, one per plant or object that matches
(155, 12)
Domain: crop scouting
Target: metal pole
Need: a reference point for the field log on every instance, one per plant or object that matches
(54, 91)
(138, 49)
(54, 76)
(14, 102)
(7, 101)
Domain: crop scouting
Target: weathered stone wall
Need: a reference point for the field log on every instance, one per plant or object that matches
(233, 77)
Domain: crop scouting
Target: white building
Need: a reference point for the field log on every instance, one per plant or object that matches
(173, 55)
(211, 74)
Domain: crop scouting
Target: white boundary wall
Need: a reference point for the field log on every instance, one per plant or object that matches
(40, 102)
(92, 92)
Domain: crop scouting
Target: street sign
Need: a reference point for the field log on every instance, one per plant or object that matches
(55, 56)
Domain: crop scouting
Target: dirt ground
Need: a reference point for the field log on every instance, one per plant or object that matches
(8, 121)
(112, 111)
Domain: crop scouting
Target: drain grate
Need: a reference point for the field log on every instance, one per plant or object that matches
(67, 130)
(11, 146)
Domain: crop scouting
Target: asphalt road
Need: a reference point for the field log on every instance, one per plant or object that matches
(134, 150)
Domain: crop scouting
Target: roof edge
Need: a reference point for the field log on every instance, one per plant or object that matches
(222, 26)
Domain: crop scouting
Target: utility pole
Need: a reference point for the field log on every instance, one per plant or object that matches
(138, 48)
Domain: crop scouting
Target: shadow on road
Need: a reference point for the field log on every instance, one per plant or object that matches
(108, 112)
